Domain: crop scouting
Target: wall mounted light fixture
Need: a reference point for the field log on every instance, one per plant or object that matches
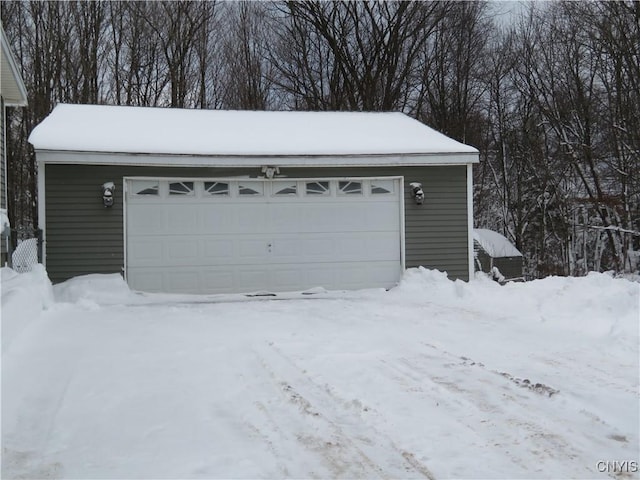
(270, 171)
(107, 194)
(417, 192)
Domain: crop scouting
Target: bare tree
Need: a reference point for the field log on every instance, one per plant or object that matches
(451, 66)
(246, 60)
(355, 55)
(34, 28)
(178, 26)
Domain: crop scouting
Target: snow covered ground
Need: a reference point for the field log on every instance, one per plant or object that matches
(433, 379)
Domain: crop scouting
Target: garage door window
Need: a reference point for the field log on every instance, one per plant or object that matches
(350, 188)
(216, 188)
(289, 188)
(181, 188)
(253, 188)
(146, 187)
(317, 188)
(381, 187)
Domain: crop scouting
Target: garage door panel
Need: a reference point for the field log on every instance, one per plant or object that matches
(250, 278)
(181, 218)
(344, 246)
(204, 243)
(217, 249)
(147, 219)
(348, 275)
(377, 219)
(183, 280)
(145, 251)
(150, 279)
(218, 279)
(249, 218)
(354, 276)
(304, 247)
(287, 217)
(187, 250)
(337, 216)
(287, 277)
(383, 246)
(253, 249)
(213, 217)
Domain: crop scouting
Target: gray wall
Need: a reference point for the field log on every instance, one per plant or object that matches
(82, 236)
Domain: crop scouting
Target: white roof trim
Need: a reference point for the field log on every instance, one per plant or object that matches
(8, 60)
(130, 159)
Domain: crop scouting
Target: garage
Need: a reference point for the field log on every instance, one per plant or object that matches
(251, 202)
(258, 235)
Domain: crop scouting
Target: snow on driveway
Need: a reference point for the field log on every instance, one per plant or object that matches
(434, 379)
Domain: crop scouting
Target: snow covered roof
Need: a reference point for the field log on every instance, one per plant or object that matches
(495, 244)
(172, 131)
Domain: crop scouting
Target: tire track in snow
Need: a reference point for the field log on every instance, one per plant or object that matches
(510, 407)
(43, 399)
(349, 441)
(267, 438)
(342, 456)
(602, 378)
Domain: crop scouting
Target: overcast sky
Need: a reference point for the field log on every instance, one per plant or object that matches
(507, 11)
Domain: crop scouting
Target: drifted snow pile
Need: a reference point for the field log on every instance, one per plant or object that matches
(24, 296)
(596, 305)
(99, 289)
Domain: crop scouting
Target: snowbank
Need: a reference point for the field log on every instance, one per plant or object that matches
(100, 289)
(597, 305)
(24, 296)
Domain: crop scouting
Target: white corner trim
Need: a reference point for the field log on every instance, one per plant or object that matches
(470, 219)
(42, 211)
(403, 240)
(124, 228)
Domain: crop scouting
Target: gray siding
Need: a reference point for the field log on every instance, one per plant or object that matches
(84, 237)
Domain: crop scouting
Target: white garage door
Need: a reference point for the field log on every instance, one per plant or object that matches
(236, 235)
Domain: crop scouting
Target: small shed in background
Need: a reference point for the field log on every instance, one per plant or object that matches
(492, 249)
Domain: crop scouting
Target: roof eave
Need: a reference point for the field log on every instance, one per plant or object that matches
(20, 101)
(334, 160)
